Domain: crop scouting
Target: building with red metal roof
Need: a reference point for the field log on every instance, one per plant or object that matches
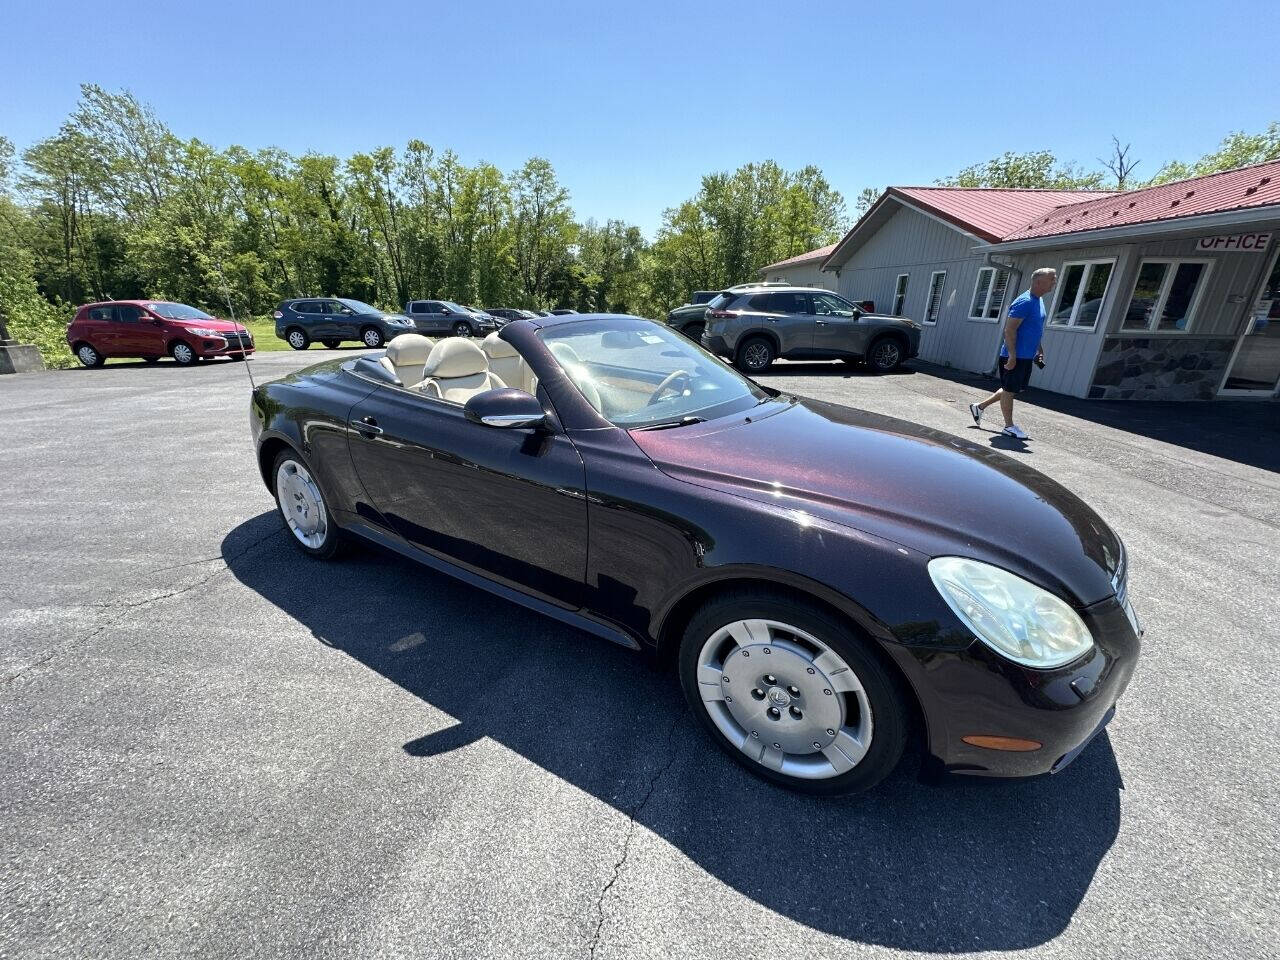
(1165, 292)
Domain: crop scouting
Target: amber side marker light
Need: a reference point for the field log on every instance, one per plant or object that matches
(1013, 744)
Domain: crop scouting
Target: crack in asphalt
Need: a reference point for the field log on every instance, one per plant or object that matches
(631, 829)
(126, 606)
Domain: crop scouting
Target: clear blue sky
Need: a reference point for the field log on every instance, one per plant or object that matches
(632, 103)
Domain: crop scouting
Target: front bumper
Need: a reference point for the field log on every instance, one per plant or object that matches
(975, 693)
(232, 346)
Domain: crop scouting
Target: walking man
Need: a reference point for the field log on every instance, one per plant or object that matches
(1021, 348)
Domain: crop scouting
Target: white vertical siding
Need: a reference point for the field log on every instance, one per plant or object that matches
(803, 275)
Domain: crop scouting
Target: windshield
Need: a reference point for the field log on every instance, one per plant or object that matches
(177, 311)
(357, 306)
(638, 373)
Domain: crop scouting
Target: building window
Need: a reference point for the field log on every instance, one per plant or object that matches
(937, 281)
(900, 293)
(1082, 288)
(988, 294)
(1165, 295)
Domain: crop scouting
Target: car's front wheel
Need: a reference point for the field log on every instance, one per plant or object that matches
(303, 508)
(791, 693)
(755, 355)
(297, 339)
(182, 353)
(886, 354)
(462, 329)
(88, 356)
(371, 337)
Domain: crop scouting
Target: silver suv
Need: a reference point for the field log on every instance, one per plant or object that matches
(756, 324)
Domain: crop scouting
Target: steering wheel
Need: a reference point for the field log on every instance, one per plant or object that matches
(668, 383)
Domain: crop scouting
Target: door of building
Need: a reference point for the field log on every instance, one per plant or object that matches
(1255, 368)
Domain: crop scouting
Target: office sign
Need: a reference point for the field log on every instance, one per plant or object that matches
(1236, 242)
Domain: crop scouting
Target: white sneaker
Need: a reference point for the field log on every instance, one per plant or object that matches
(976, 411)
(1016, 432)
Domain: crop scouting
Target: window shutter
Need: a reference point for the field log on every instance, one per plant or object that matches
(980, 292)
(997, 294)
(935, 297)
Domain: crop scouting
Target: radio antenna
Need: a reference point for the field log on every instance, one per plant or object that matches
(244, 354)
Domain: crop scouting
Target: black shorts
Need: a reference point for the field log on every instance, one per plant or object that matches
(1016, 380)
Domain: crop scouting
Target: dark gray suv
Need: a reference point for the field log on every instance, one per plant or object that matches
(331, 320)
(755, 325)
(435, 317)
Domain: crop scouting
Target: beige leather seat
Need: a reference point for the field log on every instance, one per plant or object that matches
(505, 362)
(456, 370)
(406, 356)
(581, 377)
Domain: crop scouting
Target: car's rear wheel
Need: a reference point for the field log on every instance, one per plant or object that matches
(303, 508)
(792, 693)
(371, 336)
(88, 356)
(755, 355)
(885, 354)
(462, 329)
(297, 338)
(182, 353)
(332, 344)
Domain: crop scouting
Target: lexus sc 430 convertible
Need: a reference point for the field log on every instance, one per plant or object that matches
(827, 582)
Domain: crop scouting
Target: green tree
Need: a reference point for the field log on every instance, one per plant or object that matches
(1238, 149)
(1037, 168)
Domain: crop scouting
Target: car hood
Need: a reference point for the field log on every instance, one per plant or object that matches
(924, 489)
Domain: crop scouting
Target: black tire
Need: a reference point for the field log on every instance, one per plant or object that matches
(755, 355)
(334, 541)
(332, 344)
(886, 697)
(88, 356)
(372, 337)
(183, 354)
(463, 329)
(886, 354)
(694, 331)
(297, 338)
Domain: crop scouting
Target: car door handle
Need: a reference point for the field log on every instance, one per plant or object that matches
(821, 323)
(368, 426)
(773, 319)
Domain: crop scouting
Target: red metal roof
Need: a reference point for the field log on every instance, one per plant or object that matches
(818, 254)
(1255, 186)
(992, 212)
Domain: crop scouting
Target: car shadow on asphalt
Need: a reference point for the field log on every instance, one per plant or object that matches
(832, 368)
(964, 866)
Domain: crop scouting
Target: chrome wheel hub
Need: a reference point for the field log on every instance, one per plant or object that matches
(757, 355)
(301, 504)
(182, 353)
(87, 355)
(372, 338)
(296, 340)
(886, 354)
(784, 698)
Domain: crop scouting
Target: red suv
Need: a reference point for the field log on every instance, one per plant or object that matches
(152, 329)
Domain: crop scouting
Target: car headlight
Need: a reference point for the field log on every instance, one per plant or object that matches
(398, 321)
(1015, 618)
(205, 332)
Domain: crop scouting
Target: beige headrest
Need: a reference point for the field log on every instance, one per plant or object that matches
(455, 357)
(409, 349)
(495, 348)
(564, 353)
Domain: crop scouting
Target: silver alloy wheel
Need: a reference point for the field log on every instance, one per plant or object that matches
(183, 353)
(756, 355)
(297, 339)
(301, 504)
(461, 329)
(372, 338)
(88, 356)
(886, 355)
(785, 699)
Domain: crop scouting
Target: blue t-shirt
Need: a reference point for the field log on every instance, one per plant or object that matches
(1031, 310)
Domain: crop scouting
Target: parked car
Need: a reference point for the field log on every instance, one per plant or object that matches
(510, 313)
(151, 329)
(333, 320)
(756, 324)
(689, 318)
(562, 311)
(435, 317)
(485, 316)
(825, 580)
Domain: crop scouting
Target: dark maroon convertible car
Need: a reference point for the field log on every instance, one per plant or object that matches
(827, 581)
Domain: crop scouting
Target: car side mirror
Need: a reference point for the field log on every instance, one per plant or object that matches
(446, 311)
(505, 407)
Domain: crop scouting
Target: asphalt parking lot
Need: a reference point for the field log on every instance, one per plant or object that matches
(211, 745)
